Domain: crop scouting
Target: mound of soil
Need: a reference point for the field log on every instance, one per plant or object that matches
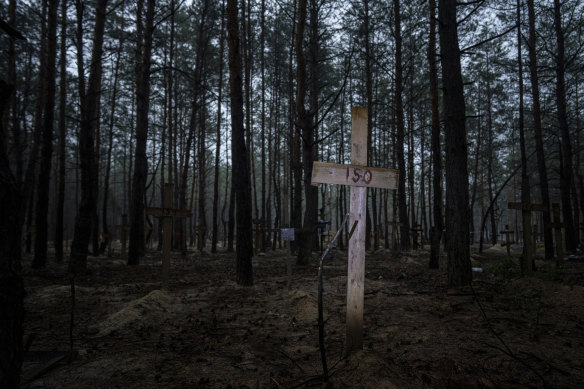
(205, 331)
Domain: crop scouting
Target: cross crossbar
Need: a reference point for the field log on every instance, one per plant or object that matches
(353, 175)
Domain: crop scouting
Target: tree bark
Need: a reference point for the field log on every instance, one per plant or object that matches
(567, 170)
(112, 118)
(143, 53)
(215, 236)
(537, 129)
(241, 180)
(60, 222)
(400, 133)
(457, 212)
(89, 121)
(527, 267)
(11, 284)
(42, 205)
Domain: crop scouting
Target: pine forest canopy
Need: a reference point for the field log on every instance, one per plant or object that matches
(114, 99)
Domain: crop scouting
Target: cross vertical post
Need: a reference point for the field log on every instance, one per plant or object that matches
(167, 213)
(358, 207)
(124, 227)
(359, 177)
(507, 232)
(557, 225)
(526, 210)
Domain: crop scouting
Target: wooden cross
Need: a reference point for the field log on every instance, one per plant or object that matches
(124, 228)
(526, 210)
(201, 231)
(557, 225)
(167, 213)
(507, 232)
(359, 177)
(416, 233)
(534, 231)
(394, 232)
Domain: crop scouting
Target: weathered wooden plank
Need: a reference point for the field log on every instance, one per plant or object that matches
(353, 175)
(168, 212)
(526, 207)
(356, 263)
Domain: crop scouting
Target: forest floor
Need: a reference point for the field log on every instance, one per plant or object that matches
(205, 331)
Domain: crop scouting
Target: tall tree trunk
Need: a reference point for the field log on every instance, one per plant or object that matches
(490, 156)
(400, 136)
(202, 220)
(143, 53)
(457, 212)
(304, 120)
(215, 236)
(11, 285)
(29, 186)
(60, 220)
(111, 133)
(241, 180)
(89, 121)
(42, 205)
(537, 129)
(369, 87)
(567, 171)
(263, 120)
(526, 267)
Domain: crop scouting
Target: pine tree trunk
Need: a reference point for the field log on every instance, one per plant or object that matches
(60, 222)
(42, 205)
(11, 284)
(241, 180)
(537, 129)
(400, 136)
(143, 53)
(526, 267)
(111, 138)
(457, 212)
(567, 171)
(89, 120)
(215, 236)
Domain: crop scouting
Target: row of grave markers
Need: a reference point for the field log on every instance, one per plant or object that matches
(359, 177)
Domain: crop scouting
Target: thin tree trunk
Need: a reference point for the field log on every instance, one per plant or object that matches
(537, 129)
(457, 212)
(241, 180)
(112, 117)
(400, 136)
(490, 157)
(218, 142)
(62, 157)
(369, 87)
(567, 171)
(525, 187)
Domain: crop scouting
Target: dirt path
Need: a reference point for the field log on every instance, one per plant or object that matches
(207, 332)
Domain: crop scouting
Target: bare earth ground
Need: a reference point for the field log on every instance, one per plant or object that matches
(207, 332)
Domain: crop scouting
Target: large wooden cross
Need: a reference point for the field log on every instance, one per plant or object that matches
(508, 232)
(167, 213)
(557, 225)
(526, 210)
(124, 228)
(359, 177)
